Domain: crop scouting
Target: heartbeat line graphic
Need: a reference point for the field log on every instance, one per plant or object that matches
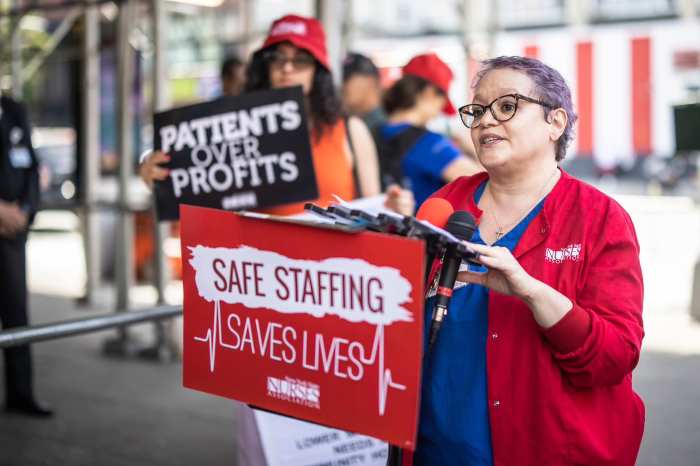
(385, 381)
(213, 336)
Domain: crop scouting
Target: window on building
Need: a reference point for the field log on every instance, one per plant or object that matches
(632, 9)
(530, 13)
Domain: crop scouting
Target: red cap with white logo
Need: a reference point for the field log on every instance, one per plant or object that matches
(300, 31)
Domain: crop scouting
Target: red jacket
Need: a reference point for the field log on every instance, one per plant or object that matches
(563, 396)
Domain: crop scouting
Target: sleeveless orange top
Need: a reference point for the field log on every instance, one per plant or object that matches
(333, 171)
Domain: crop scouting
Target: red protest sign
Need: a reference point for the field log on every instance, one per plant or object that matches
(313, 323)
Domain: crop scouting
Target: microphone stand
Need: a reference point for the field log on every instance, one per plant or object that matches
(433, 246)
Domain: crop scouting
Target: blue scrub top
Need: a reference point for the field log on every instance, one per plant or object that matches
(424, 163)
(454, 418)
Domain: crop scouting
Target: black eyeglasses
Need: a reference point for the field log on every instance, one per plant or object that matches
(502, 109)
(300, 61)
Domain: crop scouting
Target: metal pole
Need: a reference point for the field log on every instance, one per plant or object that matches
(247, 14)
(5, 39)
(160, 102)
(16, 56)
(479, 26)
(688, 9)
(347, 39)
(331, 15)
(91, 150)
(37, 333)
(164, 346)
(125, 229)
(54, 40)
(124, 261)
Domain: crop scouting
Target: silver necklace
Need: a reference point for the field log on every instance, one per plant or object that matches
(501, 230)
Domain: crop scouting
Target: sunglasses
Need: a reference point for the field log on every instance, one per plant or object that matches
(299, 61)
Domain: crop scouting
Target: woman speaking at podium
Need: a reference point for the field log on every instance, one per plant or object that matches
(533, 366)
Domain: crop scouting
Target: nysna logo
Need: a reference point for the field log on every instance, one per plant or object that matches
(297, 28)
(572, 252)
(294, 390)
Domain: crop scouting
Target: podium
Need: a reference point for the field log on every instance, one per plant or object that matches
(312, 322)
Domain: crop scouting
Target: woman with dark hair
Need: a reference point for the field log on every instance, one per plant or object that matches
(344, 155)
(294, 54)
(409, 153)
(533, 365)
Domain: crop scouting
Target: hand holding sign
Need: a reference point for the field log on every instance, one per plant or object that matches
(233, 153)
(151, 170)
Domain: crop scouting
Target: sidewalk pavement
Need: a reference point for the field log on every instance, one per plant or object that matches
(113, 412)
(119, 412)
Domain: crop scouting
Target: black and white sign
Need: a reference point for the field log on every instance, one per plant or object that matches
(236, 153)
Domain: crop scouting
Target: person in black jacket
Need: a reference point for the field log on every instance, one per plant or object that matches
(19, 198)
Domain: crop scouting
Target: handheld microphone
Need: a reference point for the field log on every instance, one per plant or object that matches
(461, 225)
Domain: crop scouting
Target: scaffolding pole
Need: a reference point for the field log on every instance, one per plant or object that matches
(16, 57)
(331, 13)
(90, 133)
(163, 349)
(125, 226)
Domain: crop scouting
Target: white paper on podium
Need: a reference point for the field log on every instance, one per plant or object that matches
(289, 442)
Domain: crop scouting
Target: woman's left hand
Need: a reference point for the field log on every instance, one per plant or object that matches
(399, 200)
(504, 274)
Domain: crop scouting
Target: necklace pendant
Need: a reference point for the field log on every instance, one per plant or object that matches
(499, 233)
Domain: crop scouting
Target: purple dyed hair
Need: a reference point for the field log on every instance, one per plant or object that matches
(550, 87)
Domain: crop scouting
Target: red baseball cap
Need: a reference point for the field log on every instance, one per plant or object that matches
(429, 67)
(300, 31)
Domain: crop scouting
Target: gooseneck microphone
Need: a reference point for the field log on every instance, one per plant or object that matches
(461, 225)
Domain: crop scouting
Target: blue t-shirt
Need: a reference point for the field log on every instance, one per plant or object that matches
(454, 418)
(424, 163)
